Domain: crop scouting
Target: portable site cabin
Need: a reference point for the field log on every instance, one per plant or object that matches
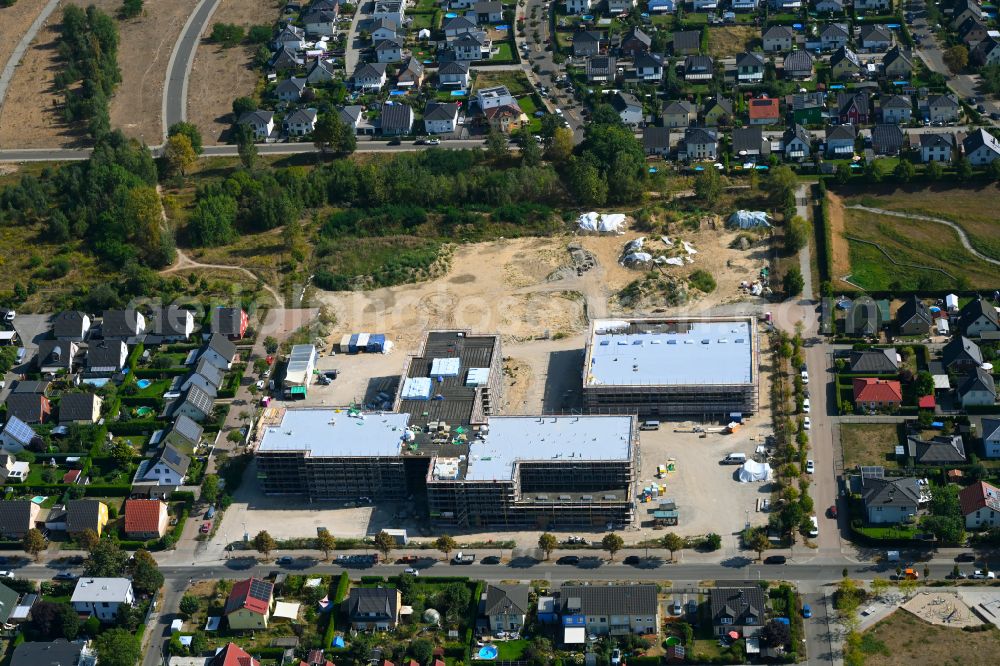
(374, 343)
(942, 326)
(951, 303)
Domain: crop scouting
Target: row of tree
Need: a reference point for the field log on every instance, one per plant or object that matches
(89, 48)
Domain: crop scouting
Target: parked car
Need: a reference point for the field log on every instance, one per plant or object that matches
(978, 574)
(568, 559)
(810, 467)
(616, 656)
(6, 574)
(205, 528)
(807, 611)
(631, 560)
(805, 406)
(285, 559)
(65, 575)
(806, 423)
(775, 559)
(832, 511)
(411, 571)
(965, 557)
(805, 376)
(490, 559)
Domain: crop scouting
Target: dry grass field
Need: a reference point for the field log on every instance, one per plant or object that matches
(903, 638)
(867, 444)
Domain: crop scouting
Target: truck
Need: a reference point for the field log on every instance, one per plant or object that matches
(463, 558)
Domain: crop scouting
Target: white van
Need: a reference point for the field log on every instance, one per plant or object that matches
(814, 532)
(649, 425)
(735, 459)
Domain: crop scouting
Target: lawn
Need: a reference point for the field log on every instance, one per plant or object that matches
(511, 650)
(504, 54)
(904, 638)
(865, 444)
(730, 40)
(156, 389)
(962, 205)
(922, 249)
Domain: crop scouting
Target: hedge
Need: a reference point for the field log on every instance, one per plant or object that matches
(142, 401)
(343, 583)
(136, 427)
(162, 373)
(182, 496)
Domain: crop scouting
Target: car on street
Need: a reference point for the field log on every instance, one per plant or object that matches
(956, 576)
(810, 467)
(775, 559)
(6, 574)
(285, 559)
(978, 574)
(806, 423)
(490, 559)
(805, 406)
(631, 560)
(832, 511)
(965, 557)
(411, 571)
(65, 575)
(807, 611)
(568, 559)
(205, 528)
(805, 376)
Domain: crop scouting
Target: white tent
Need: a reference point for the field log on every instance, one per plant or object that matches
(748, 219)
(610, 223)
(754, 471)
(286, 609)
(424, 34)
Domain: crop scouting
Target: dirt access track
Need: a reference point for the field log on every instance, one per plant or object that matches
(32, 115)
(218, 75)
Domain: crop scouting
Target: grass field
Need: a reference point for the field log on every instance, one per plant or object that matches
(962, 205)
(725, 41)
(868, 444)
(904, 638)
(516, 81)
(926, 244)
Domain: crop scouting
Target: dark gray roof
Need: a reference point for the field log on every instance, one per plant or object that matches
(600, 65)
(887, 138)
(213, 373)
(844, 53)
(961, 350)
(623, 100)
(939, 450)
(323, 65)
(942, 100)
(778, 32)
(8, 602)
(68, 324)
(657, 138)
(799, 132)
(725, 104)
(506, 600)
(802, 101)
(899, 492)
(31, 386)
(59, 652)
(173, 459)
(876, 32)
(975, 140)
(367, 70)
(978, 380)
(697, 62)
(54, 353)
(301, 117)
(936, 141)
(105, 354)
(440, 111)
(199, 399)
(396, 118)
(390, 44)
(647, 61)
(834, 30)
(744, 605)
(120, 323)
(457, 23)
(350, 114)
(171, 320)
(678, 106)
(687, 40)
(842, 132)
(76, 407)
(15, 516)
(25, 406)
(991, 428)
(82, 514)
(608, 599)
(877, 361)
(319, 16)
(897, 102)
(187, 428)
(748, 139)
(638, 34)
(699, 135)
(414, 65)
(371, 604)
(588, 37)
(749, 59)
(894, 54)
(222, 346)
(913, 308)
(978, 307)
(798, 60)
(453, 67)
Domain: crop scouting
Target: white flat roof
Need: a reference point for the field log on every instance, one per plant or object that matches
(89, 590)
(332, 432)
(675, 354)
(515, 438)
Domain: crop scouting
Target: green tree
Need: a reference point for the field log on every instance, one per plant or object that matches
(956, 58)
(445, 544)
(325, 542)
(179, 155)
(384, 543)
(585, 183)
(792, 283)
(994, 169)
(713, 541)
(422, 650)
(107, 560)
(879, 586)
(88, 540)
(673, 542)
(708, 186)
(130, 9)
(904, 171)
(531, 152)
(210, 488)
(242, 105)
(963, 167)
(190, 130)
(117, 647)
(797, 231)
(756, 540)
(780, 184)
(560, 147)
(246, 145)
(213, 221)
(34, 543)
(496, 145)
(933, 170)
(264, 543)
(612, 543)
(146, 576)
(333, 134)
(924, 383)
(189, 605)
(227, 34)
(843, 174)
(259, 34)
(50, 620)
(547, 543)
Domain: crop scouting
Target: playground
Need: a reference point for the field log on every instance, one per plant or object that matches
(942, 608)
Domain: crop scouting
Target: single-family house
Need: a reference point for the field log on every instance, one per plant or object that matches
(412, 74)
(300, 122)
(718, 111)
(383, 28)
(980, 505)
(749, 67)
(656, 140)
(496, 96)
(86, 514)
(284, 60)
(704, 5)
(249, 605)
(488, 11)
(197, 404)
(106, 357)
(679, 113)
(742, 609)
(145, 519)
(979, 316)
(877, 394)
(396, 120)
(320, 23)
(122, 324)
(778, 38)
(369, 75)
(16, 435)
(744, 5)
(844, 64)
(440, 117)
(261, 122)
(943, 109)
(882, 361)
(206, 376)
(231, 655)
(888, 139)
(31, 408)
(750, 142)
(648, 66)
(615, 610)
(471, 46)
(698, 144)
(981, 148)
(797, 65)
(834, 36)
(173, 323)
(80, 408)
(896, 109)
(101, 597)
(184, 435)
(829, 6)
(699, 68)
(59, 652)
(962, 10)
(220, 352)
(872, 5)
(600, 69)
(321, 71)
(506, 118)
(290, 90)
(621, 6)
(913, 317)
(808, 108)
(961, 355)
(373, 608)
(389, 50)
(578, 6)
(17, 517)
(505, 606)
(587, 43)
(864, 318)
(687, 42)
(71, 326)
(977, 389)
(938, 450)
(628, 107)
(393, 10)
(972, 31)
(889, 501)
(896, 64)
(11, 469)
(354, 117)
(875, 37)
(936, 147)
(458, 25)
(986, 52)
(797, 143)
(991, 437)
(634, 42)
(55, 356)
(764, 111)
(454, 74)
(290, 37)
(840, 141)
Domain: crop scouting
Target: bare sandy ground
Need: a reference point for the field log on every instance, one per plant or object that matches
(841, 248)
(146, 44)
(218, 76)
(15, 21)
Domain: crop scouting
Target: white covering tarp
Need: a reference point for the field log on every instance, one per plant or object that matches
(286, 609)
(637, 258)
(689, 248)
(672, 261)
(748, 219)
(635, 245)
(754, 471)
(609, 223)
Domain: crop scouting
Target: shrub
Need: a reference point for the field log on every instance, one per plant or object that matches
(702, 280)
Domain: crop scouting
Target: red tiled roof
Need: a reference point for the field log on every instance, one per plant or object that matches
(979, 496)
(233, 655)
(927, 402)
(869, 389)
(764, 108)
(142, 515)
(505, 109)
(252, 594)
(71, 476)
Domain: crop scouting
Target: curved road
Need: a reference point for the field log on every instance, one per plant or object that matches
(7, 75)
(925, 218)
(175, 88)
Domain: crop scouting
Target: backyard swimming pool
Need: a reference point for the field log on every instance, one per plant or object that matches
(143, 383)
(488, 652)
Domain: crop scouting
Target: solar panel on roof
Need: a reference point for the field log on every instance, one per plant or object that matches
(260, 590)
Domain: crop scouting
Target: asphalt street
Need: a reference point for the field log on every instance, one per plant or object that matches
(175, 89)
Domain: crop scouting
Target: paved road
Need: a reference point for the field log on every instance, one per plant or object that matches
(7, 75)
(547, 69)
(175, 89)
(352, 52)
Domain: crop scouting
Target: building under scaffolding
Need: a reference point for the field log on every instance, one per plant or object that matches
(703, 368)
